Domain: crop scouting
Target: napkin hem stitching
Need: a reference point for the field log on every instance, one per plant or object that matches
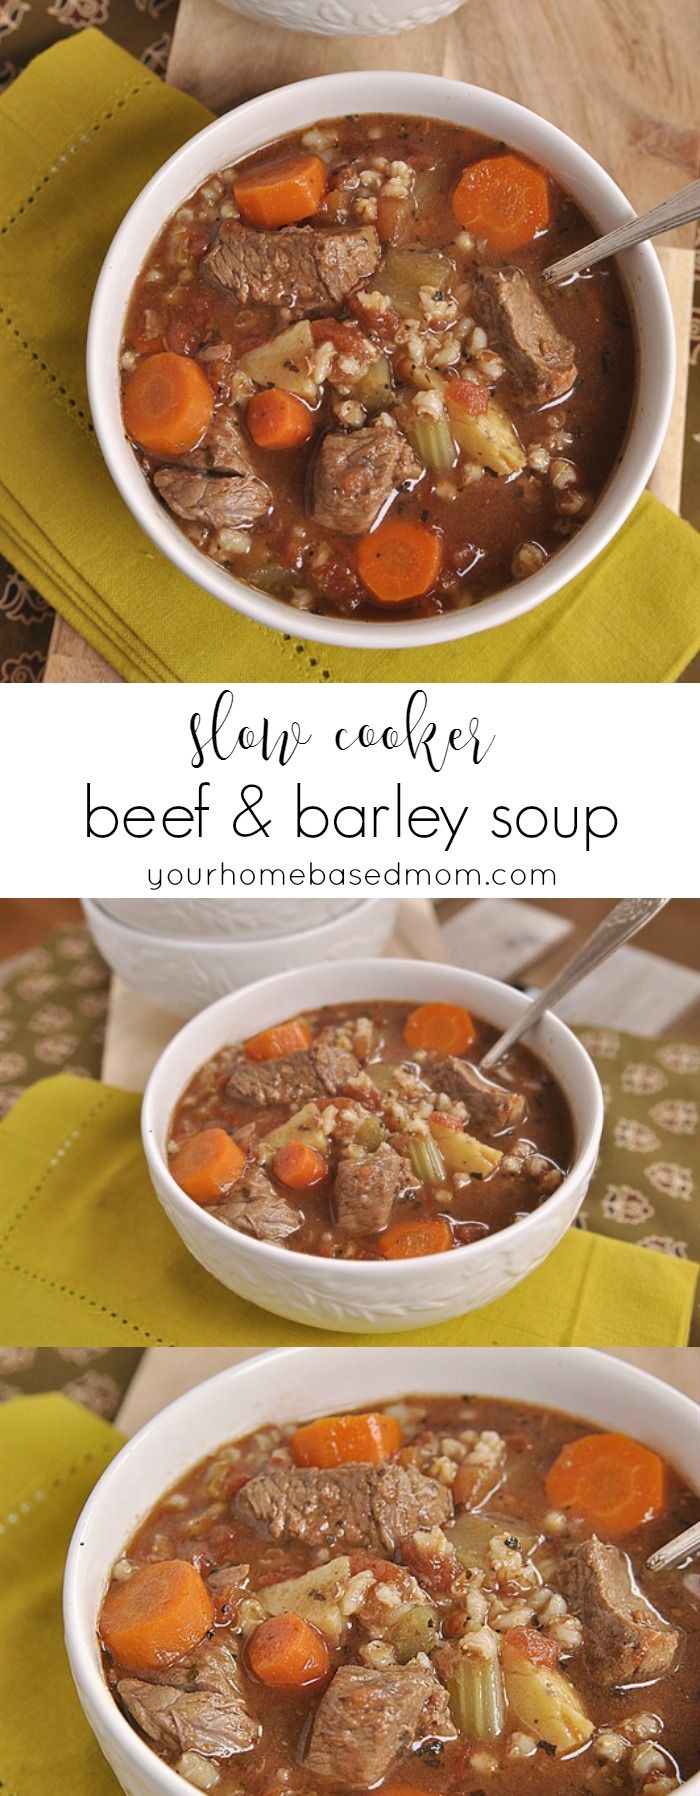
(129, 90)
(93, 1303)
(58, 390)
(25, 1505)
(67, 1142)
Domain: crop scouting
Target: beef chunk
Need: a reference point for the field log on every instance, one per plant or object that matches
(223, 449)
(353, 1506)
(297, 266)
(356, 472)
(489, 1107)
(367, 1720)
(335, 1067)
(366, 1189)
(626, 1641)
(539, 356)
(216, 499)
(201, 1709)
(318, 1071)
(255, 1207)
(228, 1586)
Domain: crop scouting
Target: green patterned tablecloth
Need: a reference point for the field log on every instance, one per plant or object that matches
(97, 1377)
(53, 1005)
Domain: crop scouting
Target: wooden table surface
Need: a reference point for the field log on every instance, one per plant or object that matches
(618, 75)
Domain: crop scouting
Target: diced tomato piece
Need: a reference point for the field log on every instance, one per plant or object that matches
(469, 396)
(345, 338)
(533, 1646)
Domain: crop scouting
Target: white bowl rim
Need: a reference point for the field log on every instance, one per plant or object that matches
(609, 512)
(154, 1769)
(222, 942)
(367, 1273)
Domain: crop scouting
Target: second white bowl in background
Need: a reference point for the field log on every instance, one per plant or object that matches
(185, 975)
(230, 918)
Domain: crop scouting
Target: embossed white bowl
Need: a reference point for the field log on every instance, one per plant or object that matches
(346, 18)
(184, 974)
(297, 1383)
(370, 1296)
(225, 917)
(431, 96)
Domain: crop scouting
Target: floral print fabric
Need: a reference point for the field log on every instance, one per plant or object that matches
(97, 1377)
(52, 1013)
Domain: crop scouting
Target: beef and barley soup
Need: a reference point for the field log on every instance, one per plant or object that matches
(366, 1131)
(345, 380)
(442, 1597)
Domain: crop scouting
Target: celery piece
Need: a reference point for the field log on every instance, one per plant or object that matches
(371, 1134)
(426, 1159)
(472, 1532)
(475, 1689)
(433, 441)
(375, 390)
(412, 1630)
(405, 271)
(384, 1074)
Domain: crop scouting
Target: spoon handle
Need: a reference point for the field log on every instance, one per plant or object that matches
(681, 1548)
(680, 209)
(621, 922)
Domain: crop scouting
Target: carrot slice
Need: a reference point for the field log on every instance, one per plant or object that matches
(299, 1166)
(399, 561)
(347, 1440)
(278, 420)
(410, 1240)
(281, 1039)
(503, 199)
(287, 1653)
(613, 1482)
(207, 1165)
(282, 192)
(167, 404)
(446, 1028)
(158, 1615)
(467, 396)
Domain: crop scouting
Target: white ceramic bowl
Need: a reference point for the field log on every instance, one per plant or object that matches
(184, 975)
(369, 1295)
(277, 1387)
(288, 109)
(344, 18)
(230, 918)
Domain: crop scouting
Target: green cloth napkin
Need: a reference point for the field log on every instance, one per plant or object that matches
(52, 1453)
(81, 131)
(87, 1252)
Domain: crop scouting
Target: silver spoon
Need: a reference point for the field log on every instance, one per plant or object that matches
(621, 922)
(679, 1548)
(680, 209)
